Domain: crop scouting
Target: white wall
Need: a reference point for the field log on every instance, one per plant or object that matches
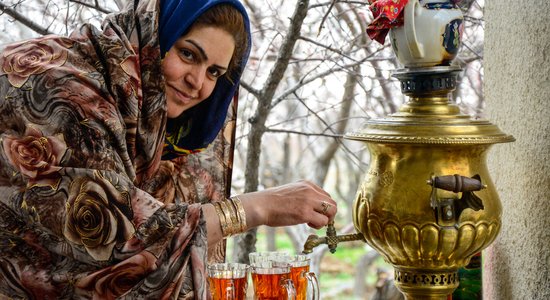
(517, 91)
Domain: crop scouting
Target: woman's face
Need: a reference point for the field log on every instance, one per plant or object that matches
(193, 65)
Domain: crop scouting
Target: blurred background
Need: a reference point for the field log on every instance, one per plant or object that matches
(313, 76)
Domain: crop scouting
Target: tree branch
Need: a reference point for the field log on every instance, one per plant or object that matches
(266, 96)
(96, 6)
(250, 89)
(303, 81)
(327, 126)
(325, 16)
(337, 51)
(23, 20)
(273, 130)
(285, 53)
(361, 3)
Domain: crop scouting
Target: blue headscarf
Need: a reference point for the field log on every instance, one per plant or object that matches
(198, 126)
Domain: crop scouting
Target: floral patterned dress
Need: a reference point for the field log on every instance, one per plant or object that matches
(96, 213)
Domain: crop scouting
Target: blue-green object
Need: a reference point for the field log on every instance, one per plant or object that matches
(470, 286)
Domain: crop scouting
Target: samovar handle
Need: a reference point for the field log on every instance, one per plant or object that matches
(450, 209)
(457, 183)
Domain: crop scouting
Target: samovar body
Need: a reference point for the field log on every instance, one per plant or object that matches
(427, 203)
(393, 211)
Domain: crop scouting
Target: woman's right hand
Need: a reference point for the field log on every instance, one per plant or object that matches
(290, 204)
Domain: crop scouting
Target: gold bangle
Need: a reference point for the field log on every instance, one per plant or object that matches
(221, 217)
(237, 203)
(231, 216)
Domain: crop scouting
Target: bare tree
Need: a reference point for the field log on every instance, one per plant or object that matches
(41, 17)
(264, 97)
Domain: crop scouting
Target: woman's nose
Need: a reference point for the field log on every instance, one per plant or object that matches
(195, 77)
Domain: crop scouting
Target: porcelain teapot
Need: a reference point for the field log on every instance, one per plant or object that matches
(431, 34)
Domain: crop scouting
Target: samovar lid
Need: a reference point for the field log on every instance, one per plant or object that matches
(429, 116)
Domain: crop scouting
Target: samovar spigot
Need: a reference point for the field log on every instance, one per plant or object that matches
(449, 209)
(332, 239)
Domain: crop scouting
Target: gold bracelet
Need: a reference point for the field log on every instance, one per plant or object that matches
(237, 203)
(231, 216)
(221, 217)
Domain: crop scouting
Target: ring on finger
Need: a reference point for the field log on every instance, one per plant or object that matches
(325, 206)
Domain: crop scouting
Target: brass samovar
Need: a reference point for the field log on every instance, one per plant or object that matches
(427, 203)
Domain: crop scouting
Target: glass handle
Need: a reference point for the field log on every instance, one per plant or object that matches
(290, 289)
(314, 283)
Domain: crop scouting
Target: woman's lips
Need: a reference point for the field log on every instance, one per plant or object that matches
(184, 98)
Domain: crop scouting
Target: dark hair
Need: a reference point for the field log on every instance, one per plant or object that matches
(227, 17)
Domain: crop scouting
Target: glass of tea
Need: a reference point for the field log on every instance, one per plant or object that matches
(228, 281)
(265, 257)
(271, 281)
(300, 275)
(299, 271)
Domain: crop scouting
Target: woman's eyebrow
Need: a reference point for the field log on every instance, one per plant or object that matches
(202, 53)
(199, 48)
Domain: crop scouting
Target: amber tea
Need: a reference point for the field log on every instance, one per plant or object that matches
(228, 281)
(228, 288)
(272, 283)
(297, 274)
(301, 276)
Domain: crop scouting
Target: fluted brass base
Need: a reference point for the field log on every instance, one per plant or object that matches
(418, 284)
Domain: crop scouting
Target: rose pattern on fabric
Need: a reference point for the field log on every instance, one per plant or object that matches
(21, 60)
(150, 57)
(93, 218)
(162, 186)
(115, 281)
(130, 66)
(37, 157)
(87, 98)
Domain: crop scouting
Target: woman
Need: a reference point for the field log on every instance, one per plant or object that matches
(96, 134)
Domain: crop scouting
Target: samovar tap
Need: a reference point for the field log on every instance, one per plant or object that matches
(332, 239)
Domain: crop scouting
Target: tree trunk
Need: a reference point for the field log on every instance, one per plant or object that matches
(245, 243)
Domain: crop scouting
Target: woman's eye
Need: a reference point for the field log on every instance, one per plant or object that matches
(214, 72)
(187, 54)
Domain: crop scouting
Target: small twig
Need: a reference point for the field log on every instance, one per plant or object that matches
(338, 136)
(23, 20)
(96, 6)
(326, 16)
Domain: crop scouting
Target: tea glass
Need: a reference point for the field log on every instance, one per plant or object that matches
(300, 275)
(299, 270)
(228, 281)
(270, 272)
(265, 257)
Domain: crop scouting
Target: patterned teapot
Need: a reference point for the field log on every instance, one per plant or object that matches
(431, 33)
